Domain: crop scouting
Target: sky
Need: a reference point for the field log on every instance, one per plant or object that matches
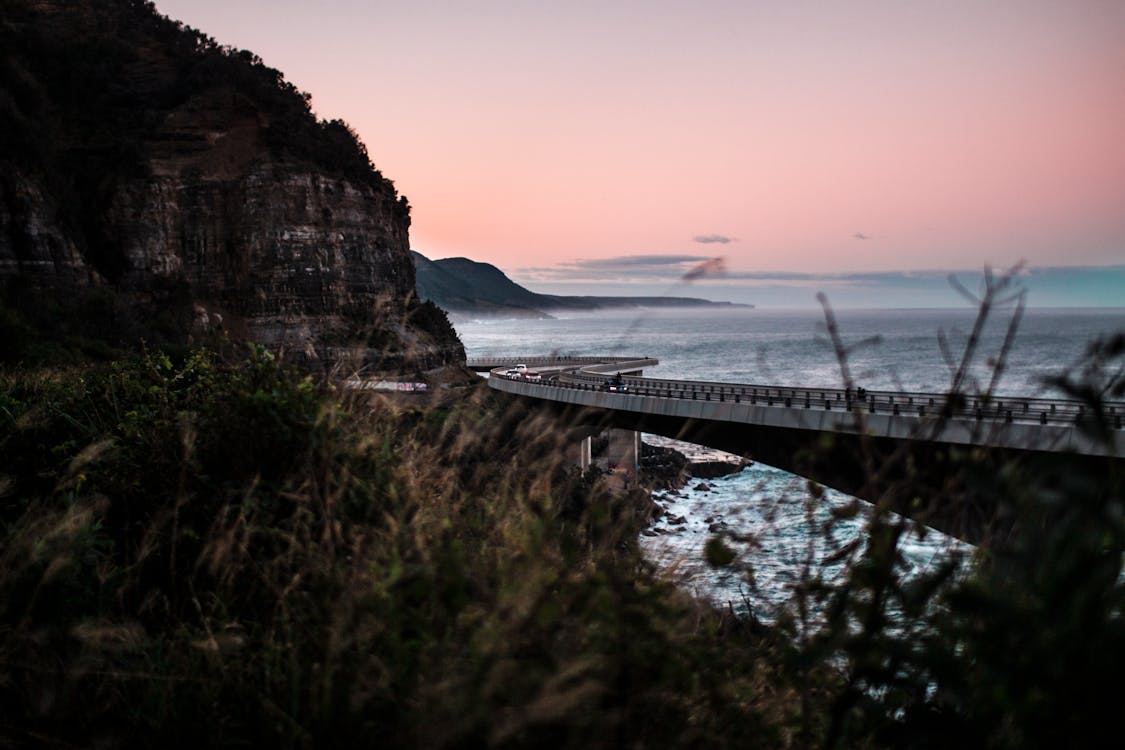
(590, 145)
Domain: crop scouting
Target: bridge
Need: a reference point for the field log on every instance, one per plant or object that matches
(864, 444)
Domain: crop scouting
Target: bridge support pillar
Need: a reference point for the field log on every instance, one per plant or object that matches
(586, 453)
(615, 451)
(623, 454)
(624, 449)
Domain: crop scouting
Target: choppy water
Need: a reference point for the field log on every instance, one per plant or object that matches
(792, 347)
(782, 534)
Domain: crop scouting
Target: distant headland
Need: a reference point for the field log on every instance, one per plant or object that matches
(467, 287)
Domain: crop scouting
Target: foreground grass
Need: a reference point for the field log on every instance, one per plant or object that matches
(213, 552)
(201, 552)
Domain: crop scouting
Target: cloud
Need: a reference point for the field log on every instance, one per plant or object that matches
(861, 236)
(1047, 286)
(621, 268)
(636, 261)
(708, 239)
(676, 269)
(711, 272)
(672, 269)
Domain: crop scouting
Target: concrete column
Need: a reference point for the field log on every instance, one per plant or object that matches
(585, 453)
(634, 456)
(624, 452)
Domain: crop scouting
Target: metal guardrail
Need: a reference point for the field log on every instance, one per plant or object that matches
(490, 363)
(1027, 410)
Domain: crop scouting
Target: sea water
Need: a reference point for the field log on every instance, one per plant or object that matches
(765, 514)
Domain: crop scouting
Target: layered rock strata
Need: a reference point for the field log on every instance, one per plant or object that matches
(204, 197)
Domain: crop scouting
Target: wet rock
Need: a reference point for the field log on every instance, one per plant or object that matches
(702, 487)
(677, 521)
(663, 467)
(714, 469)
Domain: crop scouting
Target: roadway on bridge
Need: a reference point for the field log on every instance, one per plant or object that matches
(1018, 423)
(905, 450)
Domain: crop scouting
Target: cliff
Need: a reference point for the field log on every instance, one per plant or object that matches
(157, 187)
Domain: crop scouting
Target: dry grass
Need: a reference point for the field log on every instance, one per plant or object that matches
(230, 552)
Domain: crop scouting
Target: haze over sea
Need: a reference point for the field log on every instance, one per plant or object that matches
(791, 347)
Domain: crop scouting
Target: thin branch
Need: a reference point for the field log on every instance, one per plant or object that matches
(834, 335)
(1009, 340)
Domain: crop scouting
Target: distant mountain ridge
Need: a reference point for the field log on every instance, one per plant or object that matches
(461, 285)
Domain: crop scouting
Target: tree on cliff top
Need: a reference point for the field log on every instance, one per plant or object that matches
(84, 86)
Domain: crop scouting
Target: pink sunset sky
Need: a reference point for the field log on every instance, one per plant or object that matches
(576, 141)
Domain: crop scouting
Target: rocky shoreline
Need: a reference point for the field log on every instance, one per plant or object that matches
(667, 466)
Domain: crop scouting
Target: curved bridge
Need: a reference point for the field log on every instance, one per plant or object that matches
(825, 433)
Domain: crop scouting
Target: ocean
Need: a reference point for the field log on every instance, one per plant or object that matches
(764, 513)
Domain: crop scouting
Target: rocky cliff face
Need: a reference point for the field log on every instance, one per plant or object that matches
(186, 188)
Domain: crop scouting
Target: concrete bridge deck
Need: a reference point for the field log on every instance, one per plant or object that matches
(1019, 423)
(909, 439)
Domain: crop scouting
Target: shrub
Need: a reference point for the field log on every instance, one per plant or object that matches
(236, 541)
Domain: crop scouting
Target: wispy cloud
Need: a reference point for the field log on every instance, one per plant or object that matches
(636, 261)
(669, 269)
(675, 269)
(672, 269)
(1049, 286)
(710, 239)
(617, 269)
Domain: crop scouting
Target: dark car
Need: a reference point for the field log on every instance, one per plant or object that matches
(616, 384)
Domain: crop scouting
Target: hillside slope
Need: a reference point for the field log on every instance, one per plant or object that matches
(461, 285)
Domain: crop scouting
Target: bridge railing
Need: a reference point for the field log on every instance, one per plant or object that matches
(920, 404)
(490, 363)
(589, 373)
